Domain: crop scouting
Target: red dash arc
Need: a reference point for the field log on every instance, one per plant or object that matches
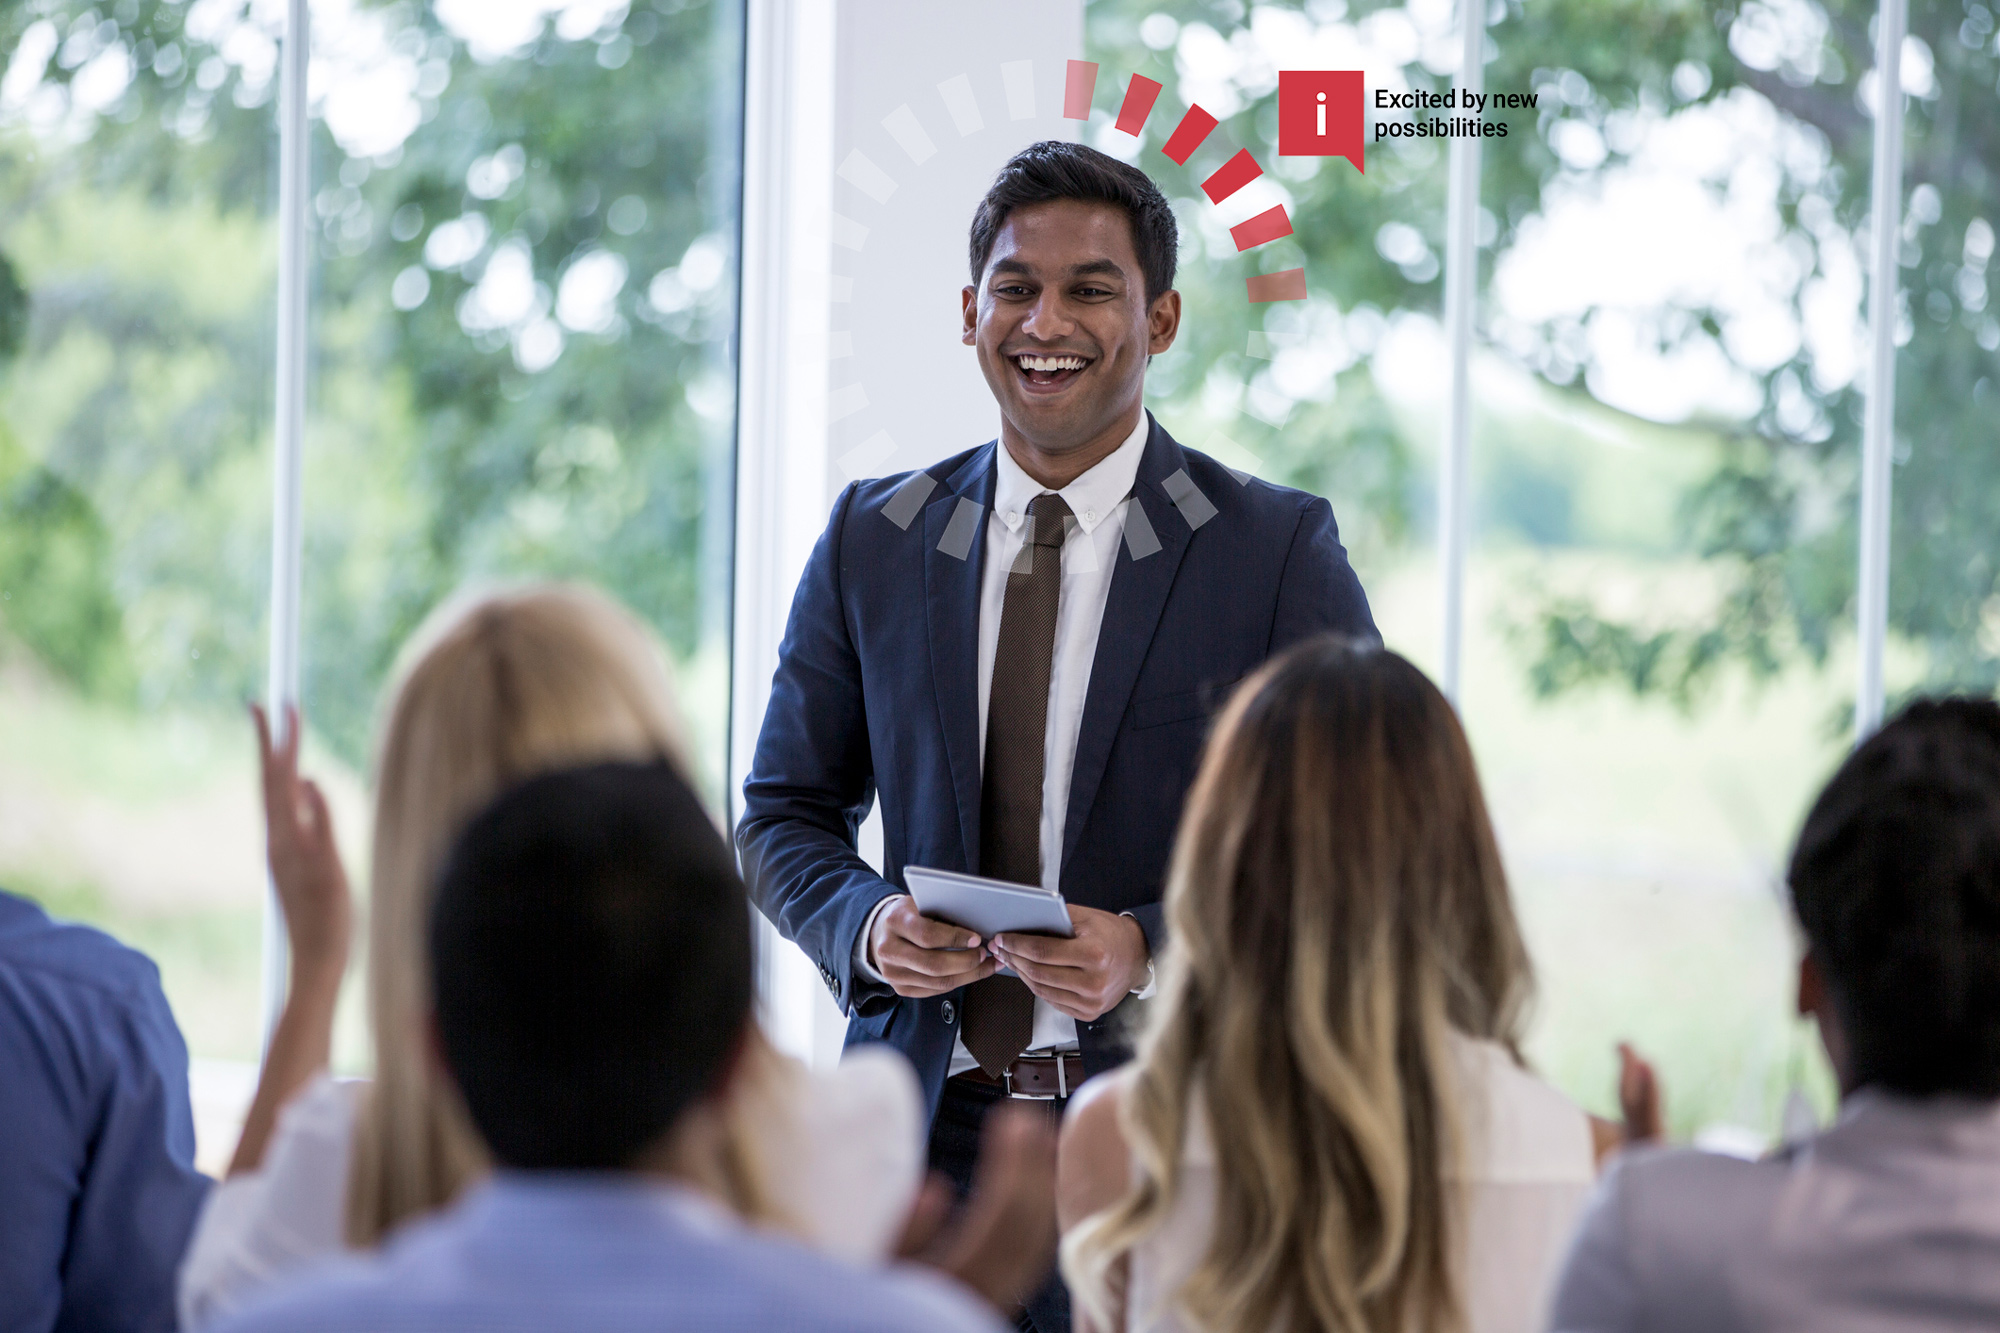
(1080, 85)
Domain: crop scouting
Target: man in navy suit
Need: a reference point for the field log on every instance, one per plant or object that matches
(1017, 651)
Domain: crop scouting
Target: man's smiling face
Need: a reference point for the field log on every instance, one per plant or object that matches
(1062, 324)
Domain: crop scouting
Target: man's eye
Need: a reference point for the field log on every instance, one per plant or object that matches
(1093, 291)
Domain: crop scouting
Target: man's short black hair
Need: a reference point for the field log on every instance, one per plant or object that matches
(1057, 169)
(1896, 881)
(590, 952)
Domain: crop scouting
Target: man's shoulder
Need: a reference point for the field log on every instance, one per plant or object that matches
(444, 1275)
(783, 1282)
(1262, 500)
(72, 957)
(1689, 1207)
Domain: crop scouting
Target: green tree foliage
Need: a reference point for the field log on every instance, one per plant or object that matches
(1779, 512)
(1776, 513)
(55, 566)
(13, 310)
(443, 443)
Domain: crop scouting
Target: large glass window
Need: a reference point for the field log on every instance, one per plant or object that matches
(523, 306)
(1944, 572)
(522, 272)
(137, 257)
(525, 238)
(1667, 341)
(1665, 451)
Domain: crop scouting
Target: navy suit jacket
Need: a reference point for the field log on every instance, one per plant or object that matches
(876, 697)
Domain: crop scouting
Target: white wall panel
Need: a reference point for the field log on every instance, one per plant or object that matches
(871, 129)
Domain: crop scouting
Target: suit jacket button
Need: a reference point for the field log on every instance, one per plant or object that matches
(950, 1012)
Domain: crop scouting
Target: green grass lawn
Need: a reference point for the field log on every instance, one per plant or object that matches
(146, 825)
(1645, 847)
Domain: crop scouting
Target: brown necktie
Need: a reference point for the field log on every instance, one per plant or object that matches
(1000, 1011)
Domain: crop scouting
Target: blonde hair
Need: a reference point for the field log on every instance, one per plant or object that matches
(494, 689)
(1336, 909)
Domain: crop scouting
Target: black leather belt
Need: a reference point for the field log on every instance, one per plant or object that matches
(1036, 1077)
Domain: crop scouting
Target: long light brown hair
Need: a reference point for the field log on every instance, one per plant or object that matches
(1336, 909)
(493, 690)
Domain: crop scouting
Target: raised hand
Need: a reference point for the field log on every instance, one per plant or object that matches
(319, 921)
(1639, 1098)
(1641, 1117)
(304, 859)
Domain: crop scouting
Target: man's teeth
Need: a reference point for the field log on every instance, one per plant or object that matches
(1052, 362)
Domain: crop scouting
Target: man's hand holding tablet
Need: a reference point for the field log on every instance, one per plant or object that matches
(1103, 960)
(920, 957)
(1086, 975)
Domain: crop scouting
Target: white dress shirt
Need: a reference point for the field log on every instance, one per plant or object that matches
(1097, 499)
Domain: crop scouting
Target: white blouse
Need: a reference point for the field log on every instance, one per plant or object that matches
(844, 1161)
(1529, 1166)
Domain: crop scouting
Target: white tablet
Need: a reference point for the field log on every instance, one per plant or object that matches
(987, 907)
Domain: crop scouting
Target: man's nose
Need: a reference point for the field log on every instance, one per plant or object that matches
(1047, 320)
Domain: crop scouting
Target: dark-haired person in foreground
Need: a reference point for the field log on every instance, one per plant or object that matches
(98, 1189)
(1016, 652)
(1890, 1219)
(590, 947)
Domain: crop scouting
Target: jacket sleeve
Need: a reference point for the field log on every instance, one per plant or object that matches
(1319, 591)
(812, 782)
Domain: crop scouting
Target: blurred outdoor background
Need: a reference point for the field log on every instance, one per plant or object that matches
(524, 299)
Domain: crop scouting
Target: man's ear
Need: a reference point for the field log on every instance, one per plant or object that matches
(1163, 322)
(968, 301)
(1816, 1003)
(1812, 987)
(742, 1059)
(433, 1047)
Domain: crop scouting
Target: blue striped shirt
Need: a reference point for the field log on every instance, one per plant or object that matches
(609, 1253)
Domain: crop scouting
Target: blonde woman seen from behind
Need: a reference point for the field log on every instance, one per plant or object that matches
(494, 690)
(514, 685)
(1328, 1125)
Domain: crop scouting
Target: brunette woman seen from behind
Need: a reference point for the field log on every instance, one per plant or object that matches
(1328, 1125)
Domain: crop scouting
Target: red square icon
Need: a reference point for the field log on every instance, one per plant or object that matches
(1320, 114)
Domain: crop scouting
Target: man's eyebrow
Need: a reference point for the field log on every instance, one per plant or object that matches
(1086, 268)
(1096, 266)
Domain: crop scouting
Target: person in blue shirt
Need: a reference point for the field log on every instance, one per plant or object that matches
(591, 975)
(98, 1189)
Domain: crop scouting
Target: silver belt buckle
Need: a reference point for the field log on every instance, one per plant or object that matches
(1062, 1083)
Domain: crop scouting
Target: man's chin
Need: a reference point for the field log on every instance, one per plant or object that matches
(1058, 427)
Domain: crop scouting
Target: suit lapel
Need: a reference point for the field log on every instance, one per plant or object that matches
(951, 600)
(1132, 610)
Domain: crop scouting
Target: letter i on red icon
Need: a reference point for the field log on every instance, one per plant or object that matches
(1320, 114)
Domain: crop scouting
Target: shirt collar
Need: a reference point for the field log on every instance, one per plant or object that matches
(1091, 497)
(610, 1195)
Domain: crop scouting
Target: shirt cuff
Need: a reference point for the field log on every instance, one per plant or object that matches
(1146, 991)
(862, 962)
